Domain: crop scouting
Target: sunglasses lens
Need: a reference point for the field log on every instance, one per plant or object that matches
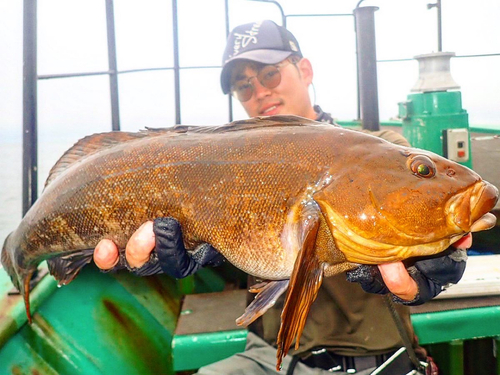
(269, 76)
(242, 90)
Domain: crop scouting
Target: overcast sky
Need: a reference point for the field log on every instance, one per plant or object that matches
(71, 38)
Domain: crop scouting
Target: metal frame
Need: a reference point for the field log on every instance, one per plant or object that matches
(30, 79)
(30, 144)
(113, 75)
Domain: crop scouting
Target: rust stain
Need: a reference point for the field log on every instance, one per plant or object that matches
(16, 370)
(7, 303)
(119, 317)
(142, 350)
(168, 295)
(8, 325)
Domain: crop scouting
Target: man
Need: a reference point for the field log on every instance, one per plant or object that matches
(347, 329)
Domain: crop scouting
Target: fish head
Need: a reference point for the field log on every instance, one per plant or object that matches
(399, 202)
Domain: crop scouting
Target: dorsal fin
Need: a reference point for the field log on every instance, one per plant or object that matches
(97, 142)
(248, 124)
(263, 122)
(88, 146)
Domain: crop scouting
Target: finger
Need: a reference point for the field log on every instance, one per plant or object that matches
(464, 243)
(398, 280)
(140, 245)
(106, 254)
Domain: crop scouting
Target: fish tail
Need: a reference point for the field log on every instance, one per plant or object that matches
(4, 258)
(7, 260)
(13, 262)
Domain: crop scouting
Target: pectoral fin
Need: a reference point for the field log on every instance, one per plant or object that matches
(267, 294)
(306, 279)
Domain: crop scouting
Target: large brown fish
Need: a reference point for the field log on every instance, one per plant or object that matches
(282, 198)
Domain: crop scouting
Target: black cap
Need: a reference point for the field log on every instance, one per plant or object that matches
(263, 42)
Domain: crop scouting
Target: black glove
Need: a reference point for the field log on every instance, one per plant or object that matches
(170, 255)
(173, 258)
(431, 275)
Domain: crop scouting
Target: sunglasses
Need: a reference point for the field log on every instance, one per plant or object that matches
(269, 77)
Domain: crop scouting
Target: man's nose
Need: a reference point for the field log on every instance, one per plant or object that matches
(260, 90)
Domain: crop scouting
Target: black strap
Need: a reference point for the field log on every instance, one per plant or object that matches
(403, 333)
(322, 116)
(293, 364)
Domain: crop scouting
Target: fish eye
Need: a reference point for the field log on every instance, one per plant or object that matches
(422, 166)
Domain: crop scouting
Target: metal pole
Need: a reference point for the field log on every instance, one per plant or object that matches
(230, 97)
(176, 64)
(367, 66)
(30, 149)
(437, 5)
(440, 36)
(113, 70)
(358, 96)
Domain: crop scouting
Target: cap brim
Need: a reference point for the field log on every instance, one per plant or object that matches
(264, 56)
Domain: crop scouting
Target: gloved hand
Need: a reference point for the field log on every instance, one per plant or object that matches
(431, 275)
(165, 236)
(173, 258)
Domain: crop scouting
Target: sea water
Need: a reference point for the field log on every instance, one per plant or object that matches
(11, 155)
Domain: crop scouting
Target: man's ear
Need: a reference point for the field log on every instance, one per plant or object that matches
(306, 70)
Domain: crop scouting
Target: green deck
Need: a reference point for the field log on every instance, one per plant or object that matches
(119, 323)
(98, 324)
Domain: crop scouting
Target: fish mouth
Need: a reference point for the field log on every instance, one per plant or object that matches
(470, 210)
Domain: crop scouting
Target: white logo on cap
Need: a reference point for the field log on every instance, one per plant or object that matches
(293, 47)
(243, 40)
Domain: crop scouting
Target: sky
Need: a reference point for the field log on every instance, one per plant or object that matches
(71, 38)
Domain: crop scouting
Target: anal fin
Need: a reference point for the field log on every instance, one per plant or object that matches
(65, 268)
(267, 294)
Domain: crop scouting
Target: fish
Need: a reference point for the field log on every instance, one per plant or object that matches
(284, 198)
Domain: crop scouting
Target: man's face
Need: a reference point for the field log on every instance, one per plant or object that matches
(290, 97)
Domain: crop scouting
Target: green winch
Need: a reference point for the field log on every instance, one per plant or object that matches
(433, 118)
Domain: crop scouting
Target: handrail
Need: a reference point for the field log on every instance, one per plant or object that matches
(113, 78)
(177, 83)
(30, 79)
(30, 144)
